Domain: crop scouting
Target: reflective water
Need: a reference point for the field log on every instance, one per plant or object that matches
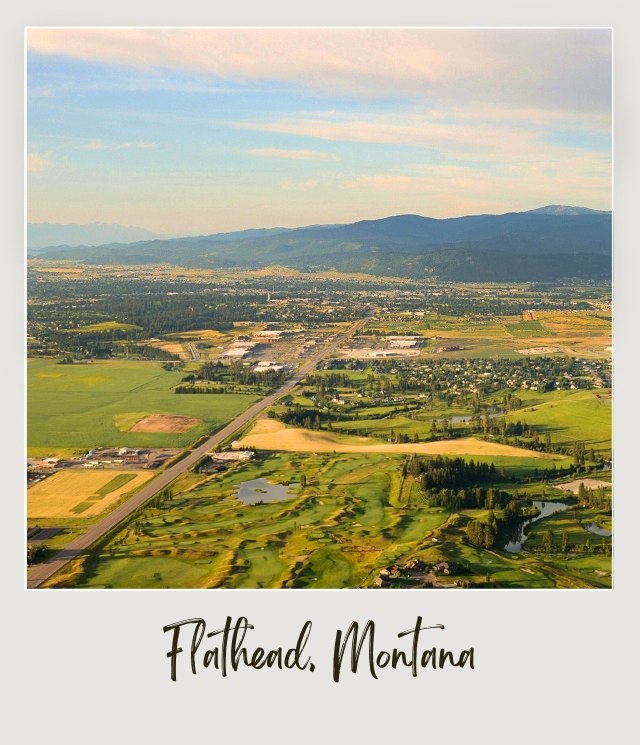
(261, 490)
(546, 508)
(597, 530)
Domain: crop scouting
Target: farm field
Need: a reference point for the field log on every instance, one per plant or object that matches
(74, 493)
(354, 515)
(582, 334)
(78, 407)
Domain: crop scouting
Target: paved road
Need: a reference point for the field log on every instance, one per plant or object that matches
(42, 572)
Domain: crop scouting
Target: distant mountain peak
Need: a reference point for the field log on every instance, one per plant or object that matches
(562, 209)
(43, 234)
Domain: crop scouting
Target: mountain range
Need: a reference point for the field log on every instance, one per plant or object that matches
(43, 234)
(542, 244)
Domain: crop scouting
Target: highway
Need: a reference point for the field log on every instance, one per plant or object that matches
(40, 573)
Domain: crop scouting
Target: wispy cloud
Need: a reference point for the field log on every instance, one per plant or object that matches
(400, 128)
(517, 67)
(37, 162)
(273, 152)
(101, 145)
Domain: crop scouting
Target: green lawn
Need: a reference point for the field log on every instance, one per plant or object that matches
(79, 406)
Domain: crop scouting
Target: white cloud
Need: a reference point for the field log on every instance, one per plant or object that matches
(491, 141)
(273, 152)
(568, 69)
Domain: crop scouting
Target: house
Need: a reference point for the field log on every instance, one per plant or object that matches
(443, 567)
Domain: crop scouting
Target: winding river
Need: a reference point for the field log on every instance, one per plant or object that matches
(546, 508)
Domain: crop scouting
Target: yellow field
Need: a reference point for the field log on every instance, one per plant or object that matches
(269, 434)
(173, 347)
(59, 270)
(211, 335)
(75, 493)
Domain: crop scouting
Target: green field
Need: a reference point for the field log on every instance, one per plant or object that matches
(106, 326)
(76, 407)
(355, 515)
(570, 416)
(527, 329)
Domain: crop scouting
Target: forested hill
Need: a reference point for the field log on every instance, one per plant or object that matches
(543, 244)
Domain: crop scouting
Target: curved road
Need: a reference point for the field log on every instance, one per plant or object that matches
(42, 572)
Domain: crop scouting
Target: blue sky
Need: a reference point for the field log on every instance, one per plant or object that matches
(206, 130)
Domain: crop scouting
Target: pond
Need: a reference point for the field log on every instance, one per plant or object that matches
(546, 508)
(261, 490)
(597, 530)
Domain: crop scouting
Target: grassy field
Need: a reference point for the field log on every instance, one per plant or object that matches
(76, 407)
(106, 326)
(77, 492)
(355, 515)
(569, 416)
(527, 329)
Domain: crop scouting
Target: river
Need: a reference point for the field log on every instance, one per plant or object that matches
(546, 508)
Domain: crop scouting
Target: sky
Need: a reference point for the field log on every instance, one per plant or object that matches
(195, 131)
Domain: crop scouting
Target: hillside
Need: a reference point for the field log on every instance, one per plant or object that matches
(542, 244)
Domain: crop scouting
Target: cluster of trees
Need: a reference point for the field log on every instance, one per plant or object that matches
(485, 533)
(236, 372)
(449, 473)
(551, 545)
(328, 383)
(302, 417)
(149, 352)
(200, 389)
(36, 552)
(594, 498)
(470, 498)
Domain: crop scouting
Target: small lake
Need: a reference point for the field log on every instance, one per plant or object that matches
(546, 508)
(261, 490)
(597, 530)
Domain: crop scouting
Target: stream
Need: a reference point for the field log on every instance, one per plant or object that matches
(546, 508)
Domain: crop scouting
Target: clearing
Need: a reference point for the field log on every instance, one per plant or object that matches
(574, 486)
(165, 423)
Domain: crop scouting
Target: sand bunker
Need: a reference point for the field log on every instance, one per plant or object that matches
(270, 434)
(539, 350)
(165, 423)
(573, 486)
